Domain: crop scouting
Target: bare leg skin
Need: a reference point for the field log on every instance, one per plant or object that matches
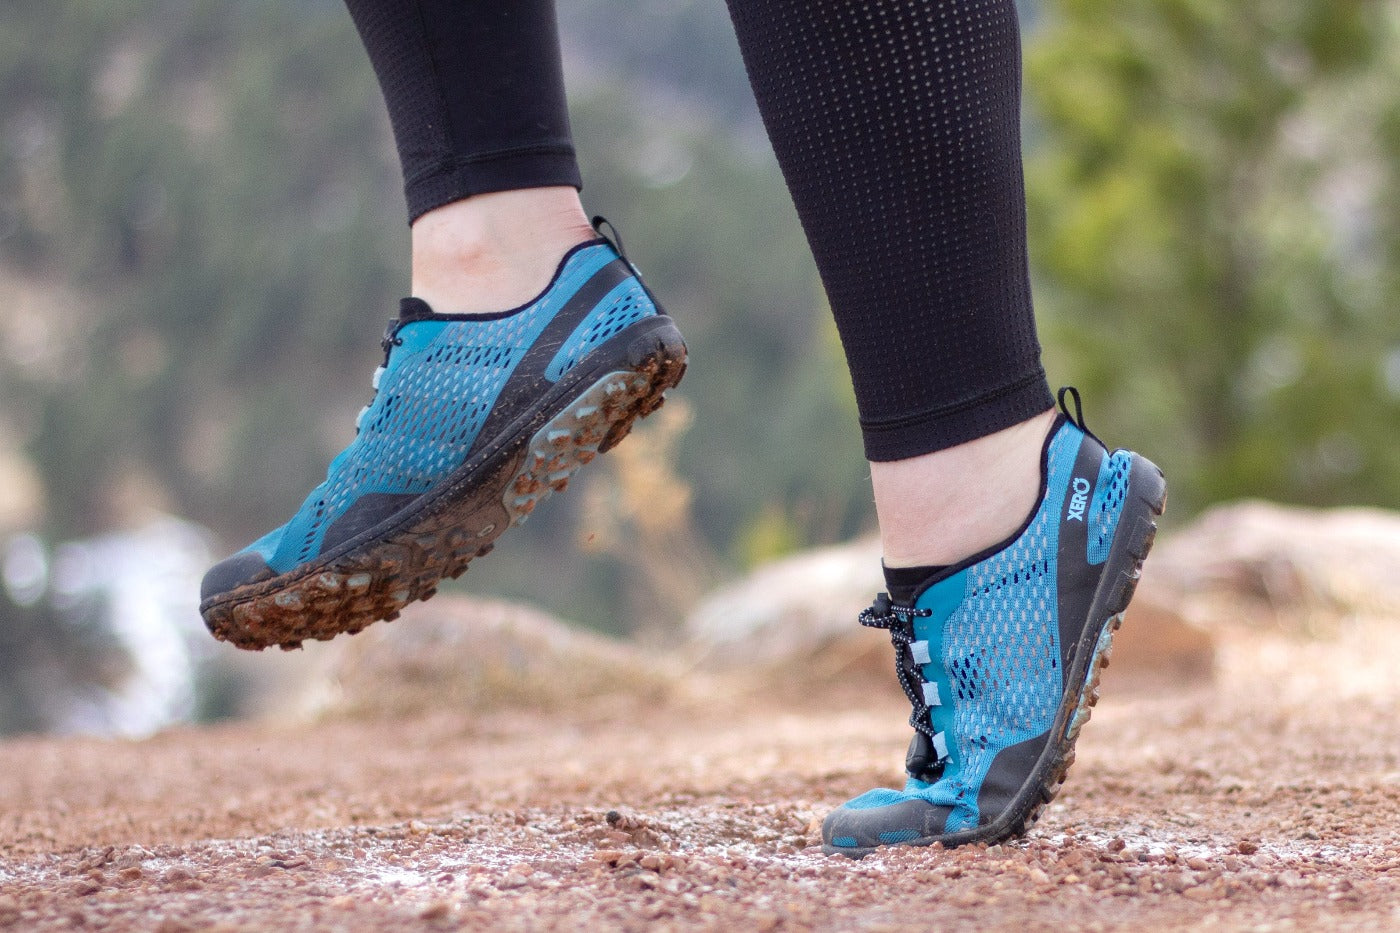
(495, 251)
(948, 505)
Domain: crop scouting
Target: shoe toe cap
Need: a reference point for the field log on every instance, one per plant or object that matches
(881, 818)
(239, 570)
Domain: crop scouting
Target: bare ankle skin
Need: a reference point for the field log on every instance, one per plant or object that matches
(945, 506)
(495, 251)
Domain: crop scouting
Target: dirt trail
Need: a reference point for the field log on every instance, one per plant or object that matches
(1270, 801)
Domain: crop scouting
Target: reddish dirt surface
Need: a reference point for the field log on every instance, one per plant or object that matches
(1268, 801)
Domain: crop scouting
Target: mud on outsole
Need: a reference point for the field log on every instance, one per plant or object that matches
(590, 425)
(376, 581)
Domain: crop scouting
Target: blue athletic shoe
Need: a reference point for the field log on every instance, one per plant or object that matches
(475, 419)
(1001, 655)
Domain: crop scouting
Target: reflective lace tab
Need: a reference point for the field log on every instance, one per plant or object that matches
(919, 651)
(378, 374)
(931, 697)
(940, 745)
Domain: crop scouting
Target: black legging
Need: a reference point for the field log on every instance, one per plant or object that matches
(897, 126)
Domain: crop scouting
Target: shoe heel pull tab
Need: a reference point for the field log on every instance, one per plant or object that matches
(613, 237)
(1077, 417)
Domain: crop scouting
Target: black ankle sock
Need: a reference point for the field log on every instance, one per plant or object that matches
(904, 582)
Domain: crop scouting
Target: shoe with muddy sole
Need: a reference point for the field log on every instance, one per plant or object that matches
(476, 419)
(1001, 654)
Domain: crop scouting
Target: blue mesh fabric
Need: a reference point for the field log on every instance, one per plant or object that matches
(872, 799)
(434, 396)
(267, 545)
(622, 307)
(1107, 504)
(1000, 654)
(1001, 647)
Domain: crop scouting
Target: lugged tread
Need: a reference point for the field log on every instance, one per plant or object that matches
(574, 436)
(376, 580)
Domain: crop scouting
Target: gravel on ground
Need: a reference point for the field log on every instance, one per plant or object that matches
(1269, 800)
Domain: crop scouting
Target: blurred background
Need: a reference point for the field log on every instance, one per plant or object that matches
(202, 235)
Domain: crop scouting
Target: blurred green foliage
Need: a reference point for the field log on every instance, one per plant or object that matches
(196, 172)
(1213, 208)
(214, 184)
(211, 187)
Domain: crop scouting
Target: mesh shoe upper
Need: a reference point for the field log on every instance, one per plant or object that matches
(441, 381)
(992, 644)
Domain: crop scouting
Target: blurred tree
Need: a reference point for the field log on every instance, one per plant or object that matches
(204, 193)
(1215, 230)
(208, 193)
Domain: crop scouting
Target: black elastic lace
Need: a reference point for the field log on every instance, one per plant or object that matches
(899, 622)
(391, 338)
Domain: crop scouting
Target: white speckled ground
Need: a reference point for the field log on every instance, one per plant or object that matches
(1269, 802)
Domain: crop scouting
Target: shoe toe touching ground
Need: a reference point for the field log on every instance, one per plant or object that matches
(1001, 655)
(474, 420)
(884, 817)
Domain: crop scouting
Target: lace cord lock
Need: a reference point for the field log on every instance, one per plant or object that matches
(927, 753)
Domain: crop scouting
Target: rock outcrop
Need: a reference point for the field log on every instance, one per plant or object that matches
(1257, 564)
(799, 615)
(469, 652)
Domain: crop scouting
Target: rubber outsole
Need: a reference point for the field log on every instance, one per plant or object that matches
(440, 534)
(1137, 529)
